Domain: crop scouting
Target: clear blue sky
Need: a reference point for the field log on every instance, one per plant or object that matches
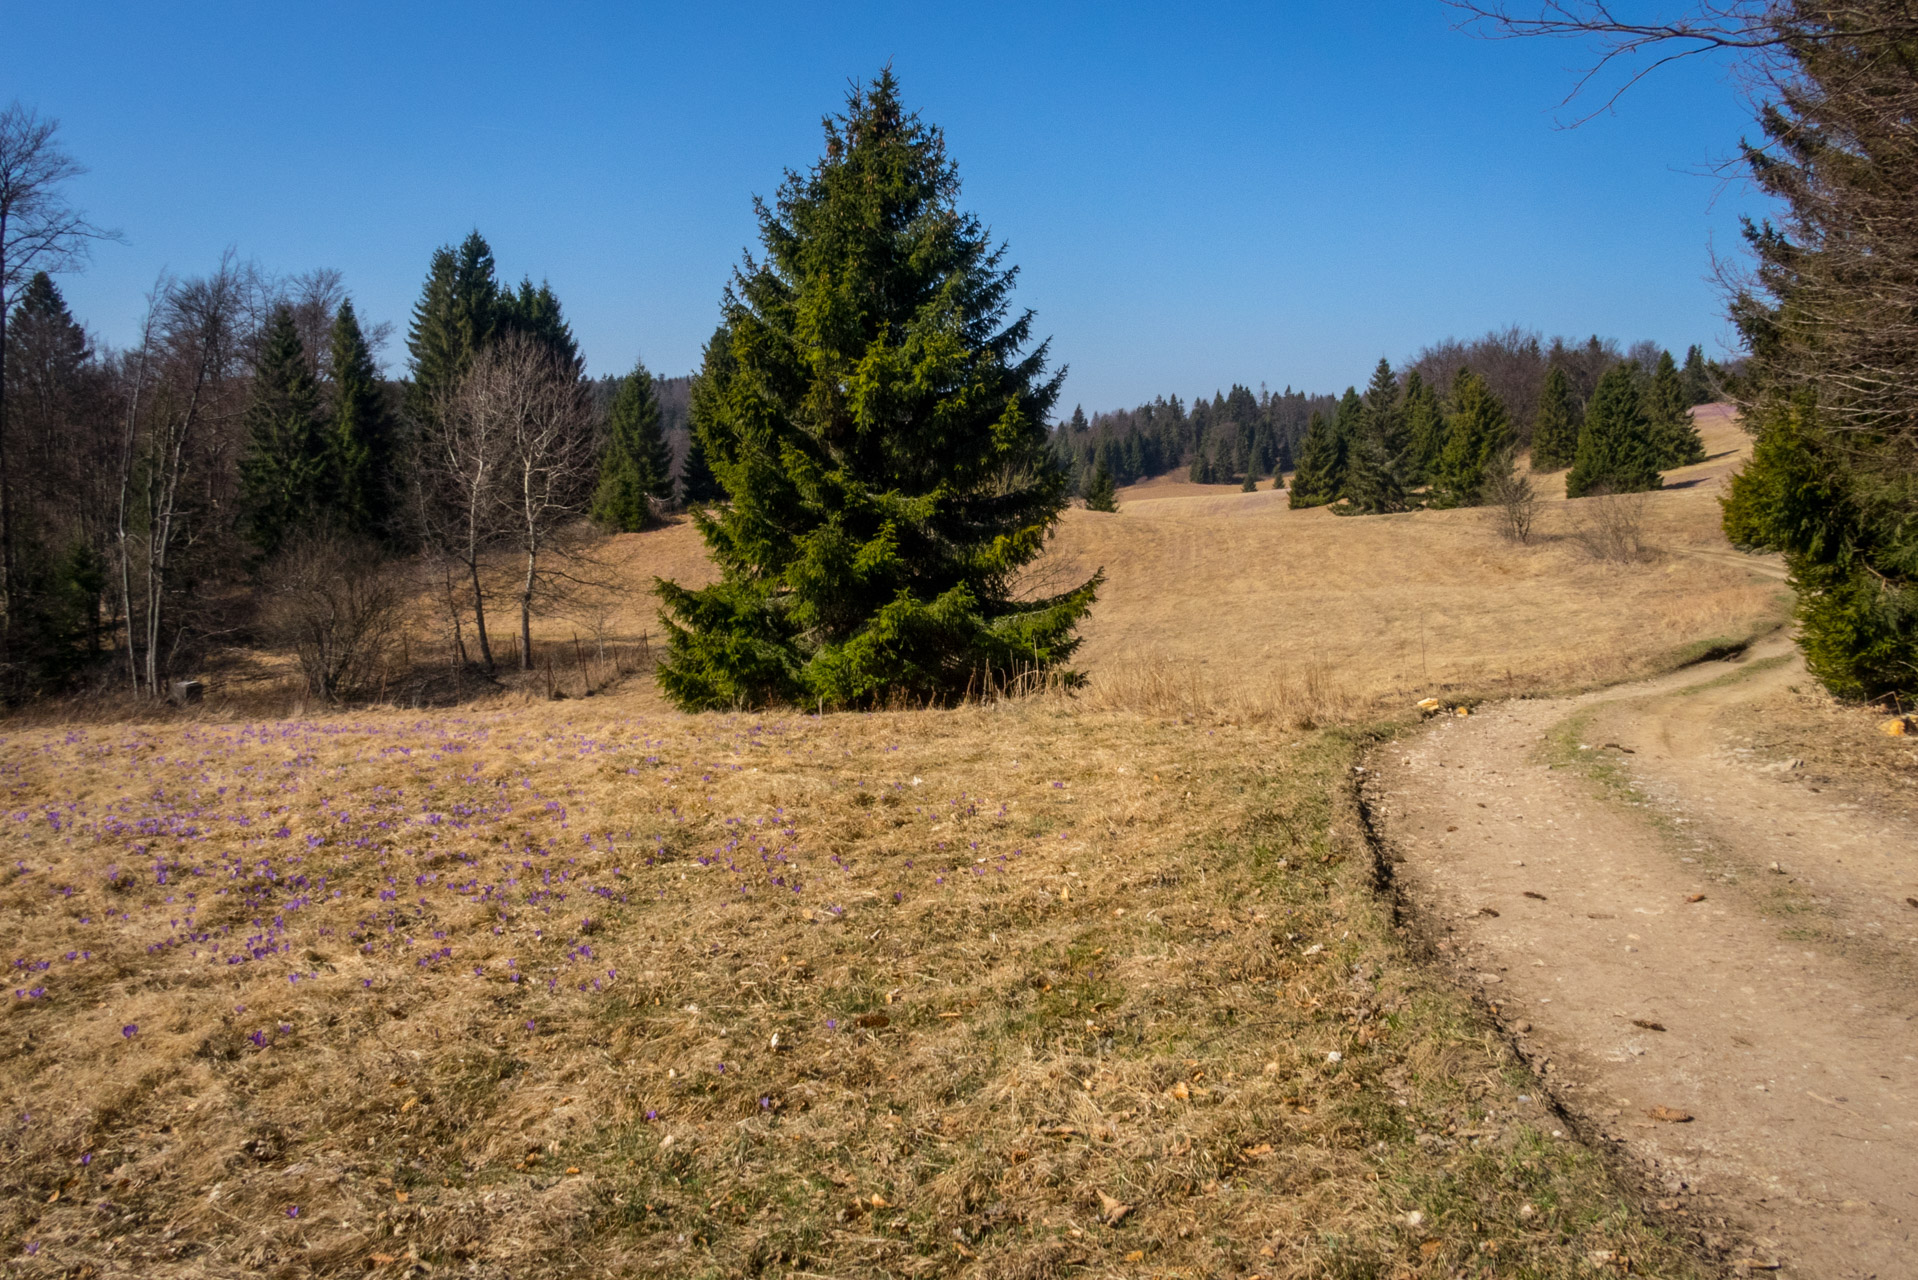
(1196, 195)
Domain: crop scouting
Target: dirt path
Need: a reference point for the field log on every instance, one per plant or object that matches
(1604, 867)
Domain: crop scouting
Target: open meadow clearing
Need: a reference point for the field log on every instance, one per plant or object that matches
(1059, 986)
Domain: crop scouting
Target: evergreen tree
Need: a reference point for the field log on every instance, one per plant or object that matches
(458, 313)
(284, 464)
(1251, 481)
(1380, 447)
(1320, 467)
(1478, 434)
(1555, 427)
(1674, 439)
(1698, 378)
(1101, 494)
(636, 467)
(878, 418)
(362, 439)
(698, 486)
(1616, 452)
(1078, 423)
(536, 313)
(1425, 426)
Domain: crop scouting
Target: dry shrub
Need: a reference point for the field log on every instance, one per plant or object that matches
(331, 601)
(1611, 527)
(1513, 502)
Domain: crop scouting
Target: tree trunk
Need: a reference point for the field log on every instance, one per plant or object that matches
(479, 617)
(526, 611)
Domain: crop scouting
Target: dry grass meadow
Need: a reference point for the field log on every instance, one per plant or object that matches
(1102, 985)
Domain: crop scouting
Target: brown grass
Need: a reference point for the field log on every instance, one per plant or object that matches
(1023, 990)
(1035, 959)
(1243, 592)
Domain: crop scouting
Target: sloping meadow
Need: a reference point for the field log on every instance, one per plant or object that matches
(1022, 992)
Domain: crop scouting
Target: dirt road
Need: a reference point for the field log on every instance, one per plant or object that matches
(1677, 926)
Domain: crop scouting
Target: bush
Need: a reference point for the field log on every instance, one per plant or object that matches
(1514, 504)
(1611, 527)
(332, 602)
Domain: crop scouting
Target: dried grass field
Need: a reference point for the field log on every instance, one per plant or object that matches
(1097, 985)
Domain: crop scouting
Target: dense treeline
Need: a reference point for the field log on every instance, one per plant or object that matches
(156, 501)
(1373, 451)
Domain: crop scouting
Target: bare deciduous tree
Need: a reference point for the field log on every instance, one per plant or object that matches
(338, 608)
(188, 381)
(548, 427)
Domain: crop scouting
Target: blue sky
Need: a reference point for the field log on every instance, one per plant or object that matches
(1196, 195)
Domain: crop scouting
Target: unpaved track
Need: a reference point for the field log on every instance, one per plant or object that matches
(1788, 998)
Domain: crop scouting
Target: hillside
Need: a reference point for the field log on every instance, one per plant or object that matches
(1075, 985)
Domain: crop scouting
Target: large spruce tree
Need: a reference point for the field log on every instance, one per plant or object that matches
(1555, 426)
(1616, 451)
(283, 468)
(458, 313)
(362, 441)
(636, 468)
(1478, 438)
(876, 415)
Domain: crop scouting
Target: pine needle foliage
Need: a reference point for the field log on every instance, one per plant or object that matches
(1674, 439)
(636, 468)
(362, 439)
(1425, 426)
(1616, 449)
(1555, 426)
(457, 315)
(1101, 493)
(1380, 449)
(875, 413)
(1320, 468)
(1478, 435)
(283, 468)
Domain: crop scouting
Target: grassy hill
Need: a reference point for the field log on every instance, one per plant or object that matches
(1101, 985)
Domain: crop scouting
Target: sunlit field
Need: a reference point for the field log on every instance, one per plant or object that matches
(1091, 983)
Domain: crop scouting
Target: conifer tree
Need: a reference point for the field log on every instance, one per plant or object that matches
(636, 468)
(1616, 453)
(1380, 446)
(1478, 433)
(537, 314)
(362, 440)
(1674, 439)
(458, 313)
(1698, 378)
(1078, 422)
(1318, 463)
(877, 417)
(1425, 426)
(1101, 493)
(284, 464)
(1555, 427)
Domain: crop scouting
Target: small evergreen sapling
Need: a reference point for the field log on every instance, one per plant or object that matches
(1101, 493)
